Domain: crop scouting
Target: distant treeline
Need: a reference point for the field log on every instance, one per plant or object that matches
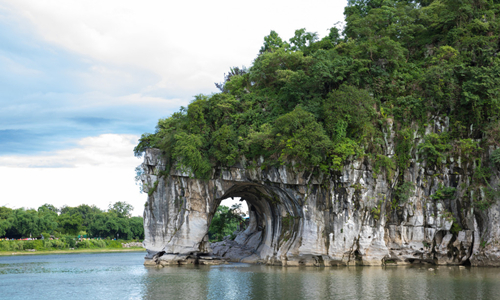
(47, 220)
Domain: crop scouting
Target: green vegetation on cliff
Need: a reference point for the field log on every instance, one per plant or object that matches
(411, 65)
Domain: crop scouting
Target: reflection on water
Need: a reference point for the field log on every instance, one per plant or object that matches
(122, 276)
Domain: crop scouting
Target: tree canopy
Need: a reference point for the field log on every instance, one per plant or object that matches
(48, 220)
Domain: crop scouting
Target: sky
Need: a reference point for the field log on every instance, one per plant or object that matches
(80, 81)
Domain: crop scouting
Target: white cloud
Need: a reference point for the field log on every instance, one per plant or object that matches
(188, 44)
(99, 171)
(138, 100)
(100, 186)
(106, 150)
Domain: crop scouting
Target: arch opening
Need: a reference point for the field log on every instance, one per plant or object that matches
(272, 228)
(230, 217)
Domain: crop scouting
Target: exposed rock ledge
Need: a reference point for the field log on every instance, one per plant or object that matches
(297, 218)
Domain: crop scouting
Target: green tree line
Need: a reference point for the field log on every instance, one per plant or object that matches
(48, 220)
(316, 103)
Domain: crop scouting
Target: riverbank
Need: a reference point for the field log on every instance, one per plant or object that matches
(44, 252)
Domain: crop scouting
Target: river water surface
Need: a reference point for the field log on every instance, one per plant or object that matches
(122, 276)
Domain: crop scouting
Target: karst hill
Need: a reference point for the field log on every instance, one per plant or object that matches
(377, 144)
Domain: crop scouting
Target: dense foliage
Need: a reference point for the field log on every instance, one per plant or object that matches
(316, 103)
(225, 222)
(48, 220)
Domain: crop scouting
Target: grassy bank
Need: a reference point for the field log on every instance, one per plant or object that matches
(45, 252)
(65, 245)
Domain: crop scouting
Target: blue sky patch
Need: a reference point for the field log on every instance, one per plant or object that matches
(51, 97)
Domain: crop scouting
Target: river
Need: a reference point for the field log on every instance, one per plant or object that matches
(122, 276)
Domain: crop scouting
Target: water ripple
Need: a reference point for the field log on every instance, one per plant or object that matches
(122, 276)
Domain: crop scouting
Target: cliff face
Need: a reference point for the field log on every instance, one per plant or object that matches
(303, 218)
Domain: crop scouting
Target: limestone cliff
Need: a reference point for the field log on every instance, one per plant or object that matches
(301, 217)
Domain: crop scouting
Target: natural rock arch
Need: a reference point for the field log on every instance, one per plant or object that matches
(179, 211)
(304, 218)
(274, 224)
